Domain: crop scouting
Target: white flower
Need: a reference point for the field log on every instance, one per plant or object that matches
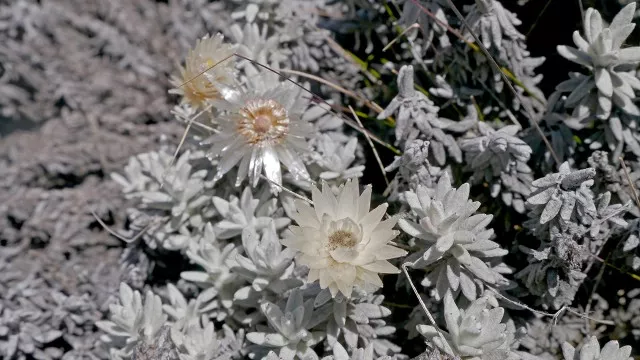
(209, 53)
(261, 128)
(343, 244)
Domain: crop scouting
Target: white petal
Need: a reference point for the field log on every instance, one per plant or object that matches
(271, 165)
(364, 202)
(382, 266)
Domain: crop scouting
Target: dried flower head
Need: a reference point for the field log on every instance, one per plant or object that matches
(207, 74)
(261, 128)
(343, 244)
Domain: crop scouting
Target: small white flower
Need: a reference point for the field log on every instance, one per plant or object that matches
(261, 128)
(209, 53)
(343, 244)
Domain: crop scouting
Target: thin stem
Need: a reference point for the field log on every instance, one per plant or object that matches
(287, 190)
(445, 25)
(424, 308)
(555, 315)
(593, 291)
(373, 148)
(114, 233)
(184, 136)
(532, 119)
(370, 104)
(318, 98)
(539, 15)
(414, 26)
(631, 184)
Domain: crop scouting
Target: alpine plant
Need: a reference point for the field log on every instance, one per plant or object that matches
(232, 265)
(343, 244)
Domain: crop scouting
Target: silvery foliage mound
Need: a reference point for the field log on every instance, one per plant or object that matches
(290, 329)
(357, 322)
(457, 254)
(496, 27)
(613, 178)
(499, 158)
(475, 332)
(223, 286)
(238, 272)
(606, 95)
(571, 222)
(591, 350)
(133, 321)
(471, 71)
(413, 170)
(417, 117)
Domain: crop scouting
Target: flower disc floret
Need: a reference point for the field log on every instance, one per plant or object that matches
(343, 243)
(263, 120)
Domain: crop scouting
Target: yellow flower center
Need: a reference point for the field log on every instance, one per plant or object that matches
(263, 121)
(342, 238)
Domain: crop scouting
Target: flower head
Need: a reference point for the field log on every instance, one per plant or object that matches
(261, 128)
(211, 56)
(341, 241)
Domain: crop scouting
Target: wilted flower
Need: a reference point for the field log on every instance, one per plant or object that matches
(554, 272)
(259, 129)
(343, 244)
(213, 57)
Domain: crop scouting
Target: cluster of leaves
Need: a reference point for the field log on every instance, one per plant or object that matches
(255, 239)
(283, 278)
